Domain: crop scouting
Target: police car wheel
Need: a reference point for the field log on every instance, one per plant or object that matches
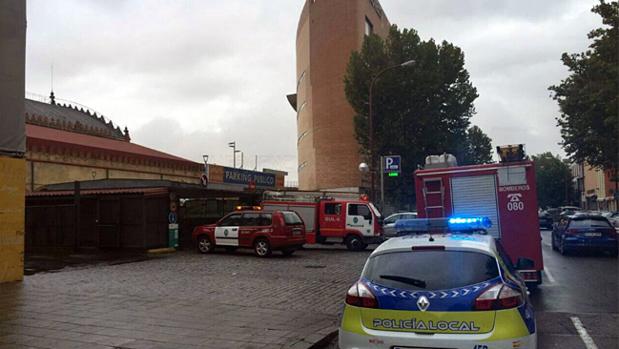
(204, 244)
(354, 243)
(262, 248)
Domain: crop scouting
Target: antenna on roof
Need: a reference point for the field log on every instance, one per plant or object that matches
(52, 98)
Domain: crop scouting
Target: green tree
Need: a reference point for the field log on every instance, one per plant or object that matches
(588, 97)
(477, 148)
(554, 178)
(419, 109)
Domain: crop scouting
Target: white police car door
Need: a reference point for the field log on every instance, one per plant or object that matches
(359, 217)
(227, 232)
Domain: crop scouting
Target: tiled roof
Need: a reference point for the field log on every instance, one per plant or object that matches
(36, 133)
(151, 191)
(70, 117)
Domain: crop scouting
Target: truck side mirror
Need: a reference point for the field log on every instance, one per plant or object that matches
(525, 263)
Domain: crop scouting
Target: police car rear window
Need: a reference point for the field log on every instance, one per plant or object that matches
(430, 270)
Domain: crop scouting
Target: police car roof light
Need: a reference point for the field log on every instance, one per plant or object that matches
(469, 223)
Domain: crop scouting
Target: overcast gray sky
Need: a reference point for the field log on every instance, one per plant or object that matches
(188, 76)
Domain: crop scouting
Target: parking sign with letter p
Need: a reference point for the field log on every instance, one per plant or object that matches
(392, 163)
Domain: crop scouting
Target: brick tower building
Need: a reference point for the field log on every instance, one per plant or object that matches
(328, 32)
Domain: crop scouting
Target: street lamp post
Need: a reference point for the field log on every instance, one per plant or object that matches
(371, 121)
(234, 151)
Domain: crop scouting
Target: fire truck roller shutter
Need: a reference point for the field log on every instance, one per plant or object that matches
(476, 196)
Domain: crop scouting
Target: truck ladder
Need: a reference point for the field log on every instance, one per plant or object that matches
(434, 197)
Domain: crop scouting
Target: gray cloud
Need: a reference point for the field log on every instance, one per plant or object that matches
(189, 76)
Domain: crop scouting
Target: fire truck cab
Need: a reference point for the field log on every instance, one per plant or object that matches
(504, 192)
(330, 219)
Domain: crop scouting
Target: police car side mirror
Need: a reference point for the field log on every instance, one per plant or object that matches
(524, 263)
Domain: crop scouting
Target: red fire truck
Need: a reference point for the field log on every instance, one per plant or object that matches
(504, 192)
(331, 217)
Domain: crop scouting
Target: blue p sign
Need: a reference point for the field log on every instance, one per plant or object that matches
(392, 163)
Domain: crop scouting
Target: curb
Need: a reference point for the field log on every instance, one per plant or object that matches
(159, 251)
(326, 340)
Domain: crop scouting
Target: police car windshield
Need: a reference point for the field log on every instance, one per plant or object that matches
(432, 270)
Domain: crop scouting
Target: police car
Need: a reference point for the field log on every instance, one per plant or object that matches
(449, 286)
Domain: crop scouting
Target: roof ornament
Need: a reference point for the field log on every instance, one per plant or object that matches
(126, 134)
(52, 98)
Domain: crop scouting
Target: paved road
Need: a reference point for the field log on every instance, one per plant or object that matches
(584, 286)
(236, 300)
(186, 300)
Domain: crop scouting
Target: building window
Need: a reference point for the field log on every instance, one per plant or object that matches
(369, 27)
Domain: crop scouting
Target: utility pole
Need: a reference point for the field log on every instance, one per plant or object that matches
(382, 183)
(371, 121)
(242, 159)
(256, 164)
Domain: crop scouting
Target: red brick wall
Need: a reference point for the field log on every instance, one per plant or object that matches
(328, 33)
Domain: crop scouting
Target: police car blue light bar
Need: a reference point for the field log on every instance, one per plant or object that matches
(454, 224)
(469, 223)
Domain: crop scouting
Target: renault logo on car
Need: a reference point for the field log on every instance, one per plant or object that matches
(423, 303)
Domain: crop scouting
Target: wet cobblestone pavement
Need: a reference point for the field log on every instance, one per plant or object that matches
(185, 300)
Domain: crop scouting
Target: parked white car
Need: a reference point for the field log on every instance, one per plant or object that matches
(389, 223)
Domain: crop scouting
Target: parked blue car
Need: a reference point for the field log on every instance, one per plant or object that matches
(584, 232)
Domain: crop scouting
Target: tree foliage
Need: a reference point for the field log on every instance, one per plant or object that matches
(477, 148)
(419, 109)
(553, 177)
(588, 97)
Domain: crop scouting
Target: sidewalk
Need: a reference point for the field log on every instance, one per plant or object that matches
(185, 300)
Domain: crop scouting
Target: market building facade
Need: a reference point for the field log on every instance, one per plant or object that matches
(88, 186)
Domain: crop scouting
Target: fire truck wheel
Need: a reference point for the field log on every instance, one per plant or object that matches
(262, 248)
(354, 243)
(204, 244)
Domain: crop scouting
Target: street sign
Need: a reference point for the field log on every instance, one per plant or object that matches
(392, 164)
(172, 218)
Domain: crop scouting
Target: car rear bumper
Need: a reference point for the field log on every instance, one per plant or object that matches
(578, 243)
(509, 331)
(350, 340)
(286, 242)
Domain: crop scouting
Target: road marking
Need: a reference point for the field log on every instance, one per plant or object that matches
(589, 343)
(549, 276)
